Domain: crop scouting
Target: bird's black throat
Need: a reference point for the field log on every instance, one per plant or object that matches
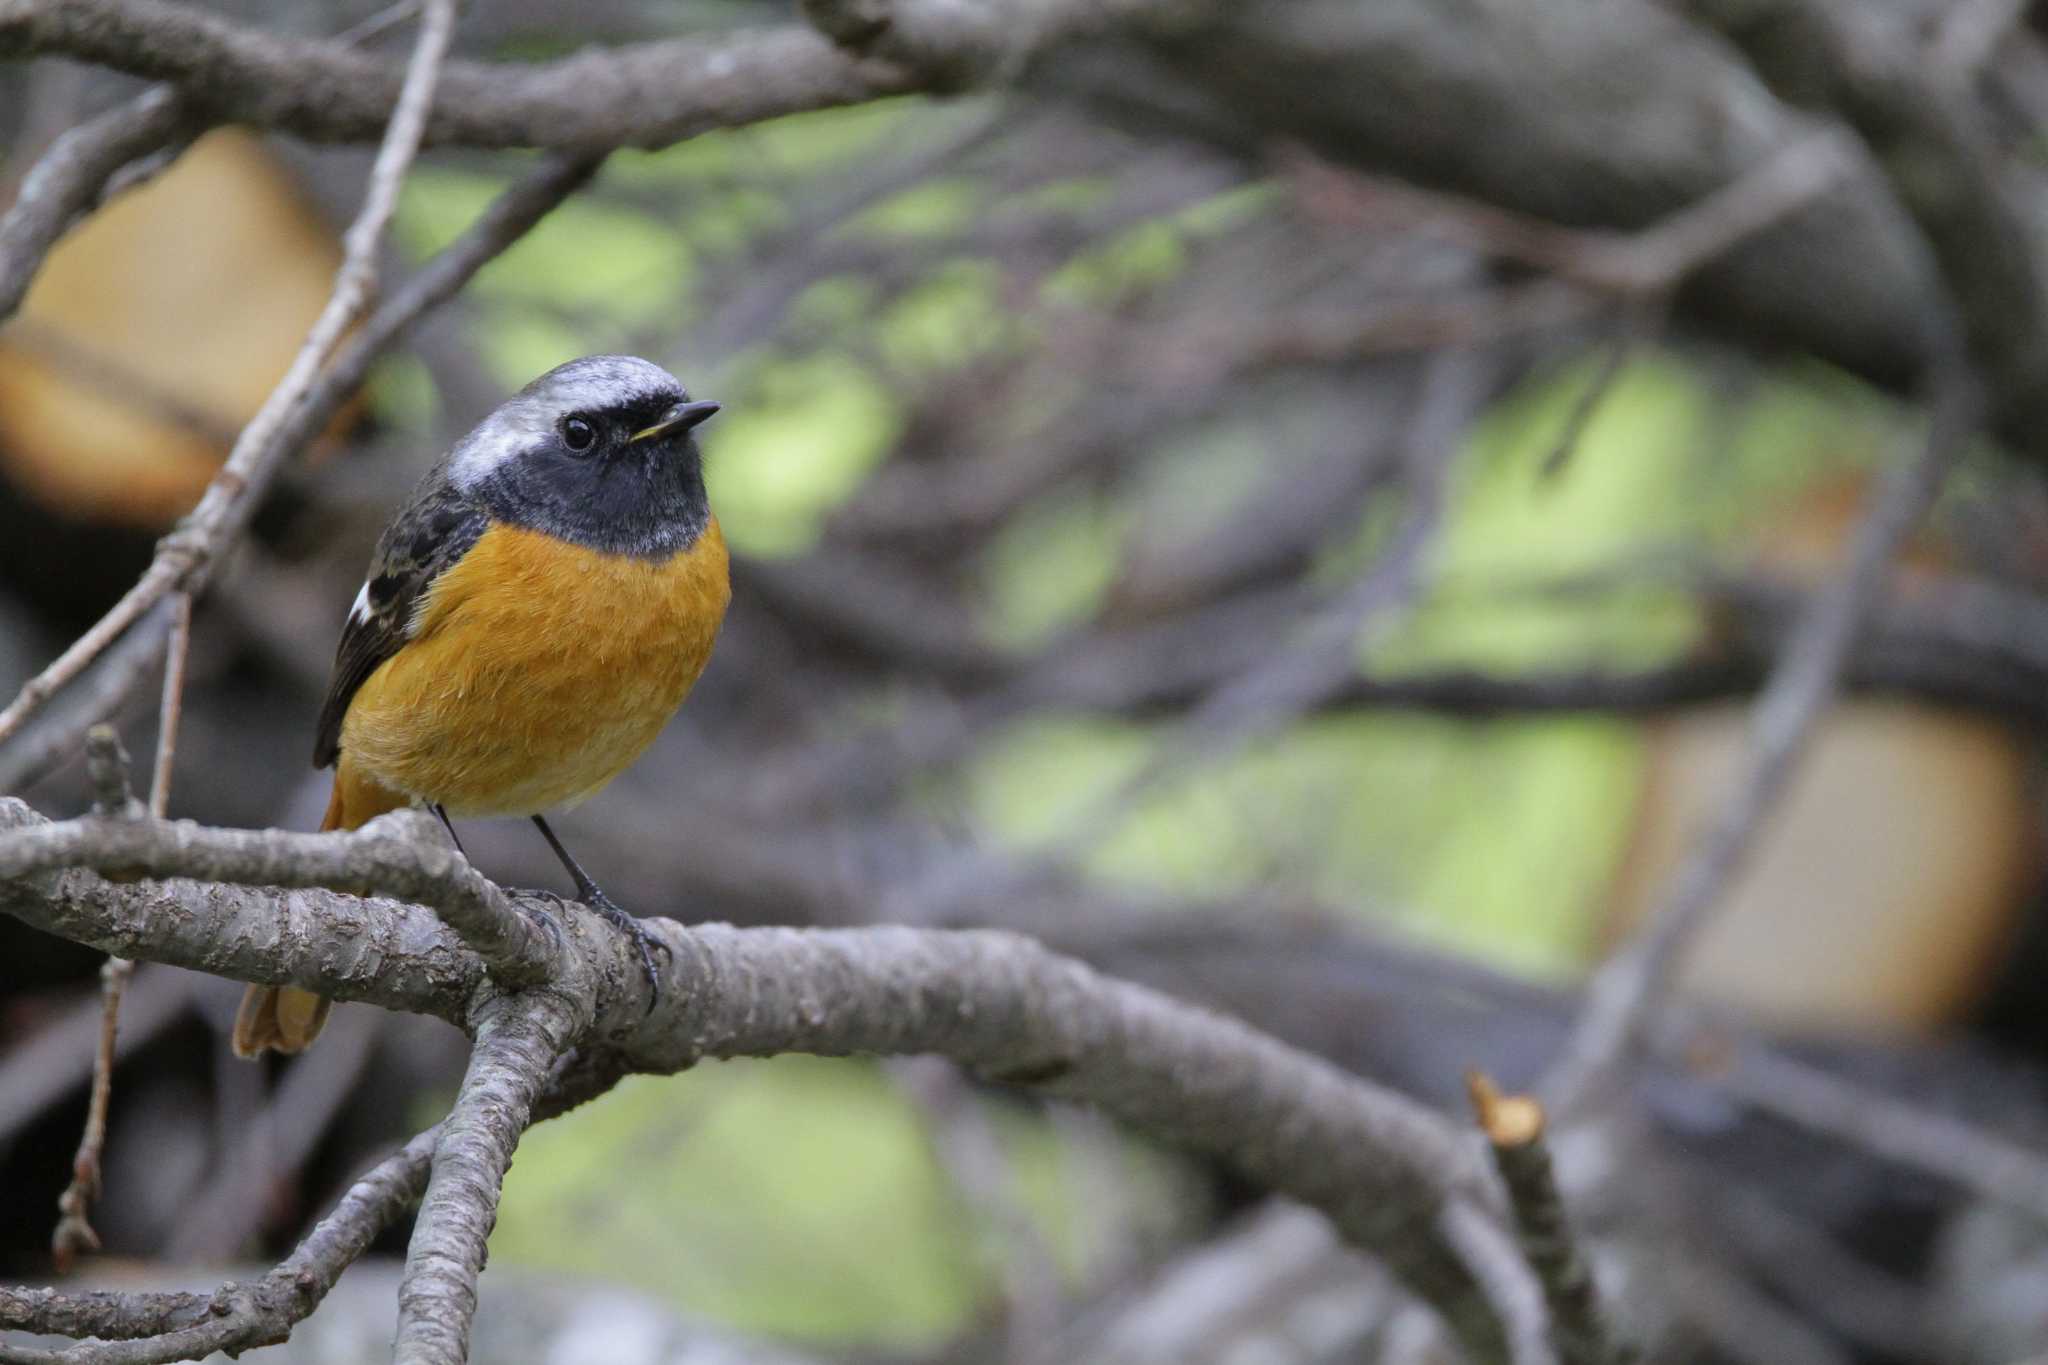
(645, 500)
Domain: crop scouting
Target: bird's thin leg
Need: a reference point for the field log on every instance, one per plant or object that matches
(547, 920)
(449, 825)
(592, 895)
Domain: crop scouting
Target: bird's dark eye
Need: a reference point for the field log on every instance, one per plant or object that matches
(578, 434)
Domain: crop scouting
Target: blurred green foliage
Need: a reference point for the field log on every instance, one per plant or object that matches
(801, 1196)
(795, 1196)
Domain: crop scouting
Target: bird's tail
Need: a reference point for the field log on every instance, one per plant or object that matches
(284, 1018)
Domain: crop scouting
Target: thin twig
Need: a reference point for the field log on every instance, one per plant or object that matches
(2001, 1169)
(186, 556)
(1640, 321)
(1806, 678)
(113, 799)
(1514, 1127)
(507, 219)
(1655, 260)
(172, 707)
(74, 1231)
(236, 1317)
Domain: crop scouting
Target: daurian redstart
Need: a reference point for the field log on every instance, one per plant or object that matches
(532, 618)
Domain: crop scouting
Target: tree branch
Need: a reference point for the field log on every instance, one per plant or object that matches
(71, 180)
(403, 853)
(517, 1043)
(1940, 161)
(1388, 1172)
(645, 95)
(399, 956)
(186, 556)
(1515, 1128)
(156, 1328)
(1807, 677)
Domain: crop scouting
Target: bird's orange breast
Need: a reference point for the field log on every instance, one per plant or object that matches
(537, 672)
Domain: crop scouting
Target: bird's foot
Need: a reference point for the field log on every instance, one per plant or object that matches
(635, 930)
(524, 896)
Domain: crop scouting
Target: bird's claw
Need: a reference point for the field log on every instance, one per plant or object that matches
(635, 930)
(547, 921)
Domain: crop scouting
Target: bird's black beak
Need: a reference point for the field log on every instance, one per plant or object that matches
(681, 417)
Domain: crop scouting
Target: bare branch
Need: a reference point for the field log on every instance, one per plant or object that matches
(186, 557)
(404, 853)
(1383, 1168)
(1655, 260)
(1941, 163)
(2000, 1169)
(1804, 681)
(114, 799)
(71, 180)
(517, 1042)
(176, 654)
(159, 1328)
(74, 1233)
(647, 95)
(1514, 1127)
(401, 957)
(112, 1316)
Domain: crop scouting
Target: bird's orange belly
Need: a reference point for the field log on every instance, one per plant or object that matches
(539, 671)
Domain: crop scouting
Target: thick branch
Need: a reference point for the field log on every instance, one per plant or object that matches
(1941, 161)
(1383, 1169)
(401, 854)
(646, 95)
(1386, 1170)
(399, 956)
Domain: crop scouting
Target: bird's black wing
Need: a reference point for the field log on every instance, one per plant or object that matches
(434, 530)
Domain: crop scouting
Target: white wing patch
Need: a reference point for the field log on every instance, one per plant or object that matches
(360, 612)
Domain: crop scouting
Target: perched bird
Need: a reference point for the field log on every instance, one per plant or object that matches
(532, 618)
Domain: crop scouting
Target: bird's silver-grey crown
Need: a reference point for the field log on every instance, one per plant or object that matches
(595, 383)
